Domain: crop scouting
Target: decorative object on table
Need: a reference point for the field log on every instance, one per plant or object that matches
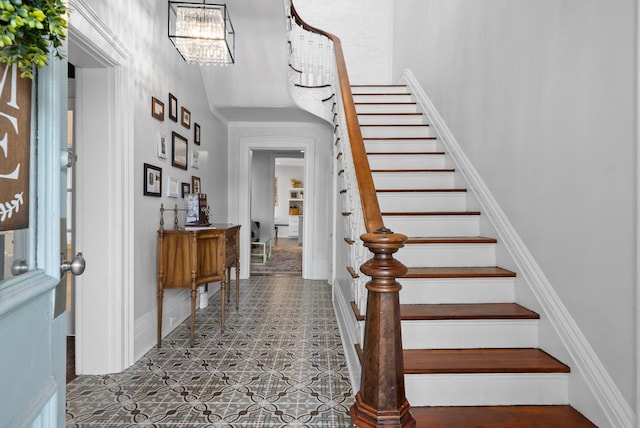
(178, 151)
(196, 134)
(152, 180)
(157, 109)
(197, 210)
(193, 209)
(195, 159)
(28, 30)
(162, 146)
(202, 33)
(185, 117)
(296, 183)
(195, 184)
(186, 189)
(172, 187)
(173, 107)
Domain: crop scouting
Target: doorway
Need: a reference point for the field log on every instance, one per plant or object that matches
(277, 212)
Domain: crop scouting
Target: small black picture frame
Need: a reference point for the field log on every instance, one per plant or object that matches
(173, 107)
(196, 134)
(152, 180)
(186, 189)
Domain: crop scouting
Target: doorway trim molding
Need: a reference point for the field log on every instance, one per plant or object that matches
(94, 37)
(286, 143)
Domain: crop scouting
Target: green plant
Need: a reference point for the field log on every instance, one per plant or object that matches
(28, 29)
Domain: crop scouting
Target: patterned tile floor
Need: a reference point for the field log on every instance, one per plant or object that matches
(279, 363)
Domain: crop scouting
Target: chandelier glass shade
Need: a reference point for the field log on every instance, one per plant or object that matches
(202, 33)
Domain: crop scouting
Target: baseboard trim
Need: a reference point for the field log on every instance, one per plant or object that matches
(348, 327)
(612, 403)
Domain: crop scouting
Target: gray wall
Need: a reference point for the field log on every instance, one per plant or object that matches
(542, 97)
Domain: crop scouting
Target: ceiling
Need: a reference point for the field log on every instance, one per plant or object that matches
(255, 88)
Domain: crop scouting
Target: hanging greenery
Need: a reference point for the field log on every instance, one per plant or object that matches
(28, 29)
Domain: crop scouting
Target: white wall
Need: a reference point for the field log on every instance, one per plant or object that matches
(365, 29)
(542, 98)
(262, 173)
(156, 70)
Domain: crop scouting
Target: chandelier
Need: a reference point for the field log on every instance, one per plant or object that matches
(201, 32)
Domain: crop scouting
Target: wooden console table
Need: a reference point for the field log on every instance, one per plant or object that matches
(189, 258)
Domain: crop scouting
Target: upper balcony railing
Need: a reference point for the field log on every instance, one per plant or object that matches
(316, 60)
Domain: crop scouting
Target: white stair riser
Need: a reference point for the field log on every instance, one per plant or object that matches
(406, 161)
(413, 180)
(400, 146)
(399, 131)
(487, 389)
(422, 201)
(391, 119)
(456, 290)
(451, 255)
(379, 89)
(434, 225)
(454, 334)
(382, 98)
(377, 107)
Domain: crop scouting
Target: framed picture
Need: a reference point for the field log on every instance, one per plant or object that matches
(162, 146)
(196, 134)
(185, 117)
(172, 187)
(152, 180)
(195, 159)
(173, 107)
(195, 184)
(186, 189)
(178, 151)
(157, 108)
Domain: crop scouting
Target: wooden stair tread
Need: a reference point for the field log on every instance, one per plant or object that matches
(466, 311)
(501, 360)
(401, 213)
(420, 190)
(500, 417)
(458, 272)
(451, 240)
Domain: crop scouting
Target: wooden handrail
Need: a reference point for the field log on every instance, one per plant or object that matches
(381, 401)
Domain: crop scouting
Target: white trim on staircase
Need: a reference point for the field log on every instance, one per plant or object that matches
(612, 403)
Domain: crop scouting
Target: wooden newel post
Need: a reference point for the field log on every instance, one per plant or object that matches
(381, 401)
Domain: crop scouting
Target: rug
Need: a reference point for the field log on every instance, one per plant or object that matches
(283, 260)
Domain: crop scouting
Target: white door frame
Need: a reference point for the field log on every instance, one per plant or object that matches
(286, 143)
(105, 317)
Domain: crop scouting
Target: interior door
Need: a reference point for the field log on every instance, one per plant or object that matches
(32, 328)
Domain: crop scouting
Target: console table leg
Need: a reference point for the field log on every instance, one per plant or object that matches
(160, 298)
(194, 295)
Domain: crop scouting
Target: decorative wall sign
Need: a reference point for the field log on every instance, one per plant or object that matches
(178, 151)
(15, 140)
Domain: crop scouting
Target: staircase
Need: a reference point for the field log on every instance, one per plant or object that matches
(471, 355)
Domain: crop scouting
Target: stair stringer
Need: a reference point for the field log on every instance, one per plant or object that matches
(592, 390)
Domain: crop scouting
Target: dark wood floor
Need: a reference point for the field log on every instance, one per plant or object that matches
(71, 358)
